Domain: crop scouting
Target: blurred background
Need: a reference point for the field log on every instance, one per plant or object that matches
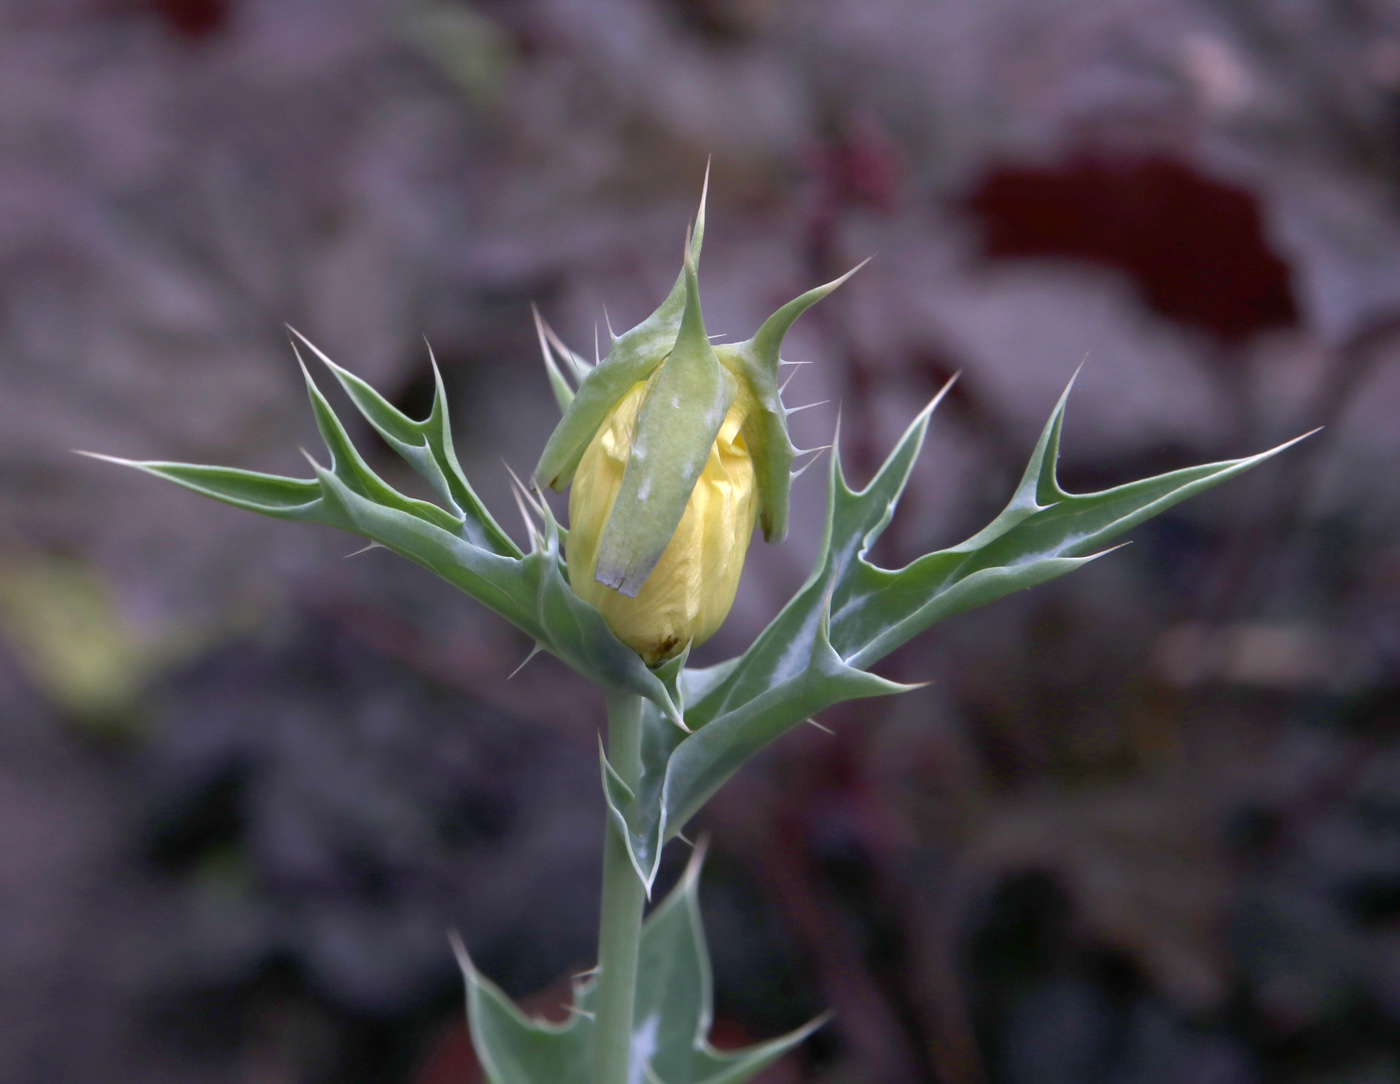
(1144, 825)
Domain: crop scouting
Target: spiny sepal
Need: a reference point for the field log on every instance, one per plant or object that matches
(671, 1021)
(633, 356)
(756, 360)
(686, 401)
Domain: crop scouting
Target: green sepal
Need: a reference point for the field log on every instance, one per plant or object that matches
(681, 415)
(766, 432)
(634, 356)
(558, 383)
(850, 613)
(671, 1021)
(530, 590)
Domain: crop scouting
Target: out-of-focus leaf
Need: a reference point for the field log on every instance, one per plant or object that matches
(61, 619)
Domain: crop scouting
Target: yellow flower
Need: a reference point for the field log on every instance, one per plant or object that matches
(689, 592)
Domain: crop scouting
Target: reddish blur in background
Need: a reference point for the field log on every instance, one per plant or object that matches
(1143, 827)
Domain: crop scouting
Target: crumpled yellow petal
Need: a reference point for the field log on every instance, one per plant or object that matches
(690, 591)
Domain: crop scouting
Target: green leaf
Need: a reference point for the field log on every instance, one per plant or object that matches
(462, 543)
(850, 614)
(516, 1049)
(674, 1000)
(426, 446)
(270, 494)
(671, 1021)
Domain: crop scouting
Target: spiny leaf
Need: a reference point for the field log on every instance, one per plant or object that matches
(671, 1020)
(516, 1049)
(850, 613)
(674, 999)
(270, 494)
(427, 447)
(530, 590)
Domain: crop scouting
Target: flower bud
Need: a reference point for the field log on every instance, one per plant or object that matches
(690, 590)
(675, 448)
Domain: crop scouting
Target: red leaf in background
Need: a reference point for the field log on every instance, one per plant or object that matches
(193, 18)
(1195, 246)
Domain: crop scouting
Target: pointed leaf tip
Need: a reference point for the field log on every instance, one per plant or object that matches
(767, 341)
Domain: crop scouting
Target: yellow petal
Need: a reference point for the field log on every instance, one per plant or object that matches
(689, 593)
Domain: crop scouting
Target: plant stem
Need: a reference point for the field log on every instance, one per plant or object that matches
(620, 927)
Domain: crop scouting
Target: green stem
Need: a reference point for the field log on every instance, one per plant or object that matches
(620, 928)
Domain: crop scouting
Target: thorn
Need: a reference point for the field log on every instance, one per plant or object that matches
(531, 529)
(805, 406)
(576, 1011)
(533, 652)
(106, 458)
(542, 334)
(816, 454)
(309, 457)
(781, 362)
(528, 492)
(683, 838)
(364, 549)
(572, 359)
(522, 502)
(320, 354)
(783, 386)
(697, 860)
(823, 729)
(608, 321)
(459, 950)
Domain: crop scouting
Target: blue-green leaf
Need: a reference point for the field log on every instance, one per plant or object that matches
(671, 1021)
(460, 543)
(850, 614)
(675, 1002)
(426, 446)
(517, 1049)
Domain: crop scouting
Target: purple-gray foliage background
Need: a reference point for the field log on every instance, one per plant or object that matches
(1144, 825)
